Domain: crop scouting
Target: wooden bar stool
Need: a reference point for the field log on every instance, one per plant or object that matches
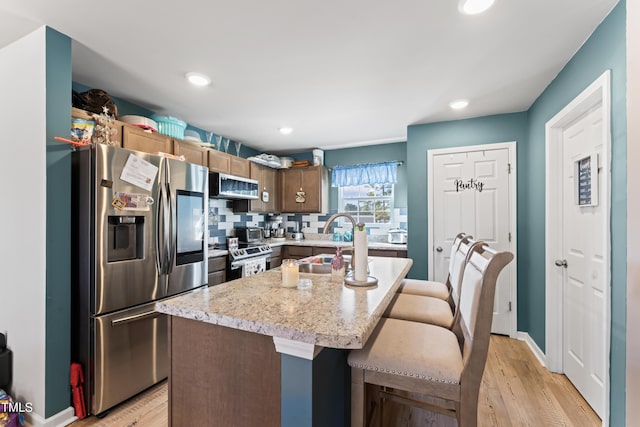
(425, 309)
(431, 361)
(430, 288)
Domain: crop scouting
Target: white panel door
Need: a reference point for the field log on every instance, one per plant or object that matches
(471, 194)
(584, 279)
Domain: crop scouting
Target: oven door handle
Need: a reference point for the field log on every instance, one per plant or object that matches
(239, 263)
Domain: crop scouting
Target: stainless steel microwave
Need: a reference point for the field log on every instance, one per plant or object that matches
(224, 186)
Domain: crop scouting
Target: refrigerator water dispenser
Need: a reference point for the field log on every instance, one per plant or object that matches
(125, 238)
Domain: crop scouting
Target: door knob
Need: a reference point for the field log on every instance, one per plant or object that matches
(561, 263)
(439, 249)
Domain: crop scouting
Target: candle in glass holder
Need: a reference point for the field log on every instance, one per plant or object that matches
(290, 273)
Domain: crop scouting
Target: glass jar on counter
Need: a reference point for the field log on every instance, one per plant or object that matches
(290, 273)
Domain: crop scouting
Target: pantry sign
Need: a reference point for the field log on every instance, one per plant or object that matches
(470, 184)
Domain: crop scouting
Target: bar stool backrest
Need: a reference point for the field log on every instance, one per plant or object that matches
(466, 247)
(473, 325)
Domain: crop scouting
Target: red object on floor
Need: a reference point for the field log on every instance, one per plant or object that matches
(77, 379)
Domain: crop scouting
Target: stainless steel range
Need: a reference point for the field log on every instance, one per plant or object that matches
(249, 260)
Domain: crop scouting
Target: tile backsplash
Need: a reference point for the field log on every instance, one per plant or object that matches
(222, 221)
(314, 223)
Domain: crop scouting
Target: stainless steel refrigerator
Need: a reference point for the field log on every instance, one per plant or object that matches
(139, 225)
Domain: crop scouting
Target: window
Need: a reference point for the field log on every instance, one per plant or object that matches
(368, 203)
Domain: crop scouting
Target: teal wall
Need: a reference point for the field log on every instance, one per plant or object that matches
(370, 154)
(420, 138)
(58, 246)
(605, 49)
(316, 392)
(124, 107)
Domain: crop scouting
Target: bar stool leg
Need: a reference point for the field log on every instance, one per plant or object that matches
(358, 409)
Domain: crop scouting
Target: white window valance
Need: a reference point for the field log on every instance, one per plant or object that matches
(372, 173)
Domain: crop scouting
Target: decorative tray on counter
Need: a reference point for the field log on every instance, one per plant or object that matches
(350, 281)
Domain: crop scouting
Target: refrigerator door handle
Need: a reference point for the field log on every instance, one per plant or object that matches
(173, 229)
(166, 237)
(162, 239)
(135, 317)
(159, 236)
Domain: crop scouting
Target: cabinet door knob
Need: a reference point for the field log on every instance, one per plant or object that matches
(439, 249)
(561, 263)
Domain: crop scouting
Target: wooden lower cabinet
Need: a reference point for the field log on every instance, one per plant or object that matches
(221, 377)
(276, 257)
(317, 250)
(296, 252)
(217, 270)
(388, 253)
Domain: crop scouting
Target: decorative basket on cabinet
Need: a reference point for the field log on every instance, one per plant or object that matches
(170, 126)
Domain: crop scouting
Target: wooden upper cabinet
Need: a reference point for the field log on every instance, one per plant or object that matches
(134, 138)
(270, 184)
(240, 167)
(267, 179)
(256, 172)
(227, 163)
(192, 152)
(219, 161)
(304, 190)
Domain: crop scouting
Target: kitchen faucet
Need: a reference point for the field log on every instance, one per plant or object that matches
(353, 222)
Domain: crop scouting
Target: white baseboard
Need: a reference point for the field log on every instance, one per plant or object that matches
(61, 419)
(524, 336)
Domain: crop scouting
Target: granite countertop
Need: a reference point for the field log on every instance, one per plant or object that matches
(329, 314)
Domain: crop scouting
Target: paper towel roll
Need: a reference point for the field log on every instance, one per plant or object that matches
(361, 249)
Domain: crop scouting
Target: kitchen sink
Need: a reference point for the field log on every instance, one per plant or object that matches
(314, 268)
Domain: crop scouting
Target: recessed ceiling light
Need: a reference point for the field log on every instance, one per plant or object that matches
(198, 79)
(285, 130)
(473, 7)
(459, 104)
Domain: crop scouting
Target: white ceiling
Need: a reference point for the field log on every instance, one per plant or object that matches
(341, 73)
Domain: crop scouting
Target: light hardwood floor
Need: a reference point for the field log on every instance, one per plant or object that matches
(516, 391)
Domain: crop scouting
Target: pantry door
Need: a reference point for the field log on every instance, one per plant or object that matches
(472, 190)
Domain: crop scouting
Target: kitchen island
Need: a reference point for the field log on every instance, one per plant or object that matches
(250, 352)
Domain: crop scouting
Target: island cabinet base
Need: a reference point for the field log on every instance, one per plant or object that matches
(226, 377)
(221, 376)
